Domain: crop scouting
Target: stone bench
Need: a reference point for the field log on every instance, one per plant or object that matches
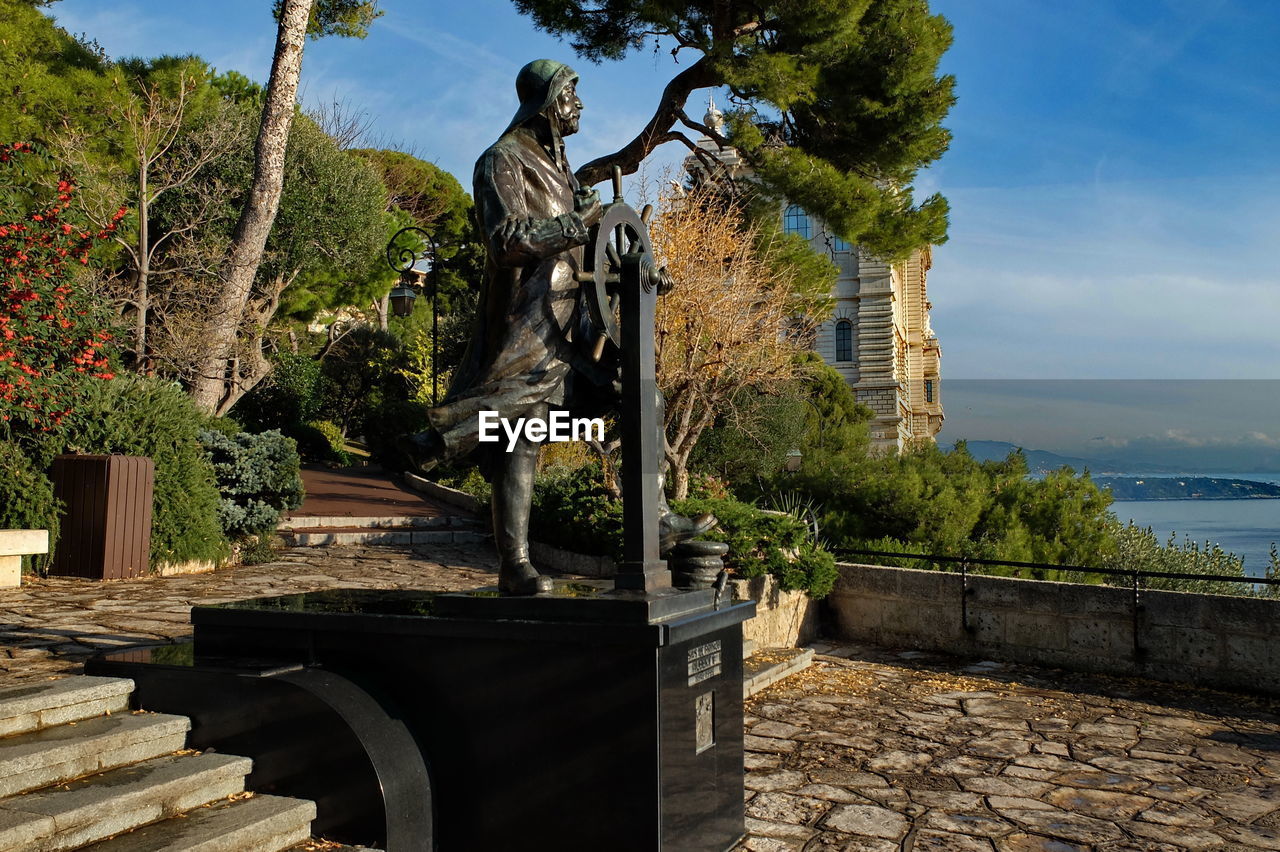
(15, 544)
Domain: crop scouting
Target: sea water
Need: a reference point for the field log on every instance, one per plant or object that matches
(1245, 527)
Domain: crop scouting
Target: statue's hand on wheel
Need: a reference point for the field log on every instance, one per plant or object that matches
(586, 203)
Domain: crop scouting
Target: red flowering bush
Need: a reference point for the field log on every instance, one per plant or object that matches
(51, 337)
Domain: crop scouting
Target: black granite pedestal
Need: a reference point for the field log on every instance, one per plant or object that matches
(585, 720)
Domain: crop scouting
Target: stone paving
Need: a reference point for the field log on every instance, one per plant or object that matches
(867, 751)
(879, 751)
(52, 626)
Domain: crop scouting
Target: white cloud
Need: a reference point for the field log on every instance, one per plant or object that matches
(1170, 279)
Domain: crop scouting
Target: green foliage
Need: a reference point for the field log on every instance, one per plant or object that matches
(26, 498)
(391, 419)
(573, 509)
(257, 549)
(238, 88)
(813, 274)
(258, 479)
(325, 248)
(950, 504)
(471, 481)
(1139, 549)
(225, 425)
(325, 443)
(752, 441)
(432, 197)
(835, 422)
(331, 229)
(361, 371)
(773, 543)
(290, 395)
(840, 101)
(820, 417)
(349, 18)
(150, 417)
(52, 78)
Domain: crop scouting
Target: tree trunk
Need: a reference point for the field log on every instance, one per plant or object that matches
(680, 480)
(142, 292)
(217, 386)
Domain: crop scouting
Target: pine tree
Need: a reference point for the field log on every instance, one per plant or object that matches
(837, 103)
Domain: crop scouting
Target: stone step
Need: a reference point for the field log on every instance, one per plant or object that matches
(770, 665)
(748, 648)
(255, 824)
(99, 806)
(30, 707)
(326, 537)
(53, 755)
(300, 523)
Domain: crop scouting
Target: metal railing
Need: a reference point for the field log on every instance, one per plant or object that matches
(1135, 576)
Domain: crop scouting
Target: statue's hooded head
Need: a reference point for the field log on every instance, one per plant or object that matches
(541, 86)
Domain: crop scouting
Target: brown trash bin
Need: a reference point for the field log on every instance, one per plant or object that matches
(106, 530)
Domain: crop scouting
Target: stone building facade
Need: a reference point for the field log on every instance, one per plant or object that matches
(879, 335)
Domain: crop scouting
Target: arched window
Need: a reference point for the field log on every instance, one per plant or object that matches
(796, 221)
(844, 340)
(840, 244)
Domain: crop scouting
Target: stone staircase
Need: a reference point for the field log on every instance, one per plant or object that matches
(319, 531)
(80, 770)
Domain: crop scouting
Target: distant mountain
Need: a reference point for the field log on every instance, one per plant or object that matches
(1043, 461)
(1186, 488)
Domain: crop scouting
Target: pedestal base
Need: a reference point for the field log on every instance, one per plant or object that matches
(583, 721)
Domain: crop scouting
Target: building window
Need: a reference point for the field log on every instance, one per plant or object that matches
(840, 244)
(796, 221)
(844, 340)
(928, 390)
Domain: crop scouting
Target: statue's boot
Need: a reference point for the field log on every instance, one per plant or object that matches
(512, 495)
(521, 579)
(425, 449)
(673, 529)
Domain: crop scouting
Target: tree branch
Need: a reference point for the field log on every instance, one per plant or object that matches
(697, 76)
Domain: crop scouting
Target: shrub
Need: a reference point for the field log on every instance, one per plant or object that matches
(257, 549)
(257, 477)
(751, 440)
(391, 419)
(763, 542)
(51, 336)
(468, 480)
(288, 397)
(575, 511)
(361, 374)
(1138, 548)
(26, 498)
(139, 416)
(322, 441)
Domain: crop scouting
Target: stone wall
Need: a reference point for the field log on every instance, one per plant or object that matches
(1207, 640)
(782, 620)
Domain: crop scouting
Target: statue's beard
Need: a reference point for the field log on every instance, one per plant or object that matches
(566, 125)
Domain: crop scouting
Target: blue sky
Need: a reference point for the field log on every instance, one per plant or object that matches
(1113, 177)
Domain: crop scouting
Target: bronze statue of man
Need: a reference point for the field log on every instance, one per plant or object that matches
(530, 347)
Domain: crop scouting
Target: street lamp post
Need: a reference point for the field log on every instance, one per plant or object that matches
(404, 260)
